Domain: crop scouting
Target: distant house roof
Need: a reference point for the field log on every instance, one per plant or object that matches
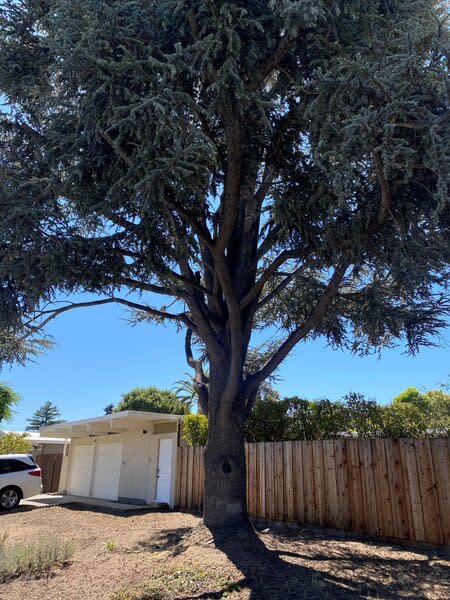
(114, 423)
(35, 438)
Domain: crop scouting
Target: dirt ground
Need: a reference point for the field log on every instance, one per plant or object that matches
(170, 555)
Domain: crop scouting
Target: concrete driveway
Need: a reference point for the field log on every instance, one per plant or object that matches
(55, 499)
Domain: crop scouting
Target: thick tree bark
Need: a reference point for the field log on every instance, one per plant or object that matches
(225, 469)
(225, 476)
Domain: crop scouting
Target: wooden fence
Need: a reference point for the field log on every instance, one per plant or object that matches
(50, 470)
(383, 487)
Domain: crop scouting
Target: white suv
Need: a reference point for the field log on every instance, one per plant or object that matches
(20, 477)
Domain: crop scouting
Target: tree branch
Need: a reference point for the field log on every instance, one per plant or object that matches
(272, 62)
(200, 381)
(253, 381)
(280, 287)
(53, 313)
(385, 204)
(266, 275)
(269, 241)
(191, 220)
(229, 206)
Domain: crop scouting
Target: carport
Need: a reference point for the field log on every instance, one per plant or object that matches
(128, 456)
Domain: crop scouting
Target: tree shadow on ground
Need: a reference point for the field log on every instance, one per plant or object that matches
(276, 574)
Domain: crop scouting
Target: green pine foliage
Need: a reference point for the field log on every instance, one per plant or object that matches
(47, 414)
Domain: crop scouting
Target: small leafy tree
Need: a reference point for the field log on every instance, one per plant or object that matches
(439, 411)
(8, 399)
(364, 415)
(413, 396)
(152, 399)
(47, 414)
(14, 443)
(300, 424)
(403, 419)
(195, 429)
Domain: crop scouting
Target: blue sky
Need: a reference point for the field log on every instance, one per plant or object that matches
(99, 356)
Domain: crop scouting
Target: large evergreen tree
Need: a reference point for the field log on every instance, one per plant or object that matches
(281, 162)
(47, 414)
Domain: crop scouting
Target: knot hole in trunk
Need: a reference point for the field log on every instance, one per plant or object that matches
(226, 467)
(228, 464)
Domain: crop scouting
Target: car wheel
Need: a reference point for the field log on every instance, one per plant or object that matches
(9, 498)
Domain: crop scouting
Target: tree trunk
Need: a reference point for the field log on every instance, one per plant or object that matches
(225, 475)
(225, 503)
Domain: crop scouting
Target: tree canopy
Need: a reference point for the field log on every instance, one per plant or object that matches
(47, 414)
(8, 400)
(253, 163)
(152, 399)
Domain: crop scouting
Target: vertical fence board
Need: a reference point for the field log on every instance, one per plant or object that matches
(441, 462)
(279, 482)
(331, 497)
(319, 482)
(368, 487)
(408, 454)
(308, 483)
(261, 455)
(355, 488)
(342, 485)
(297, 476)
(288, 482)
(382, 491)
(397, 491)
(178, 477)
(270, 488)
(428, 494)
(183, 458)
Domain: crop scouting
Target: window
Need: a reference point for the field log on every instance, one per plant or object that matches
(12, 465)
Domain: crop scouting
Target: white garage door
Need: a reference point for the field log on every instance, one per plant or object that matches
(107, 471)
(81, 470)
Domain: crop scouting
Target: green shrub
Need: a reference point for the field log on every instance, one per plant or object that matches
(267, 422)
(403, 420)
(14, 443)
(195, 430)
(36, 557)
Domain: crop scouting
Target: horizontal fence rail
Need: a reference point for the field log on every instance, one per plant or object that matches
(382, 487)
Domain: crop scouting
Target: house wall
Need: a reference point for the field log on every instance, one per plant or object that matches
(137, 482)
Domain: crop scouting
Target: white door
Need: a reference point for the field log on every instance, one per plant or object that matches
(164, 472)
(108, 460)
(81, 461)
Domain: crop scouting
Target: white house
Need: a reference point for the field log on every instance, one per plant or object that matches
(127, 456)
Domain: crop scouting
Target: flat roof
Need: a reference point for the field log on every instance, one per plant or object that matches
(35, 438)
(116, 422)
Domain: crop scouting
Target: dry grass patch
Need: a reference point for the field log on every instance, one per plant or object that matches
(35, 558)
(179, 582)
